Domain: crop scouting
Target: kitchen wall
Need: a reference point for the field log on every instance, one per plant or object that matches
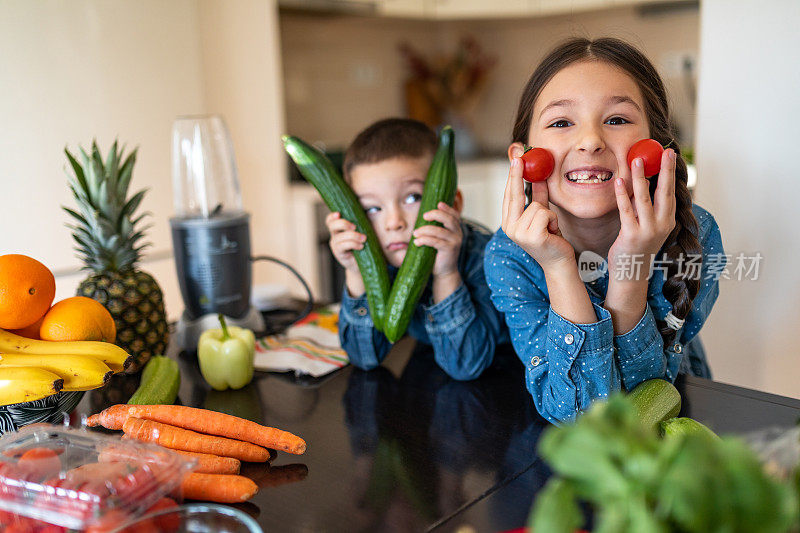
(748, 111)
(76, 71)
(343, 72)
(84, 69)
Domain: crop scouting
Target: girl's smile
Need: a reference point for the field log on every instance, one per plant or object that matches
(589, 175)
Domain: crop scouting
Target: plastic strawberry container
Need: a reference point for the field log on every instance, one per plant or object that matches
(75, 478)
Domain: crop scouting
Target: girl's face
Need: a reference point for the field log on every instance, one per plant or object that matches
(588, 115)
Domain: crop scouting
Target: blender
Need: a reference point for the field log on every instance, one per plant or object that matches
(210, 230)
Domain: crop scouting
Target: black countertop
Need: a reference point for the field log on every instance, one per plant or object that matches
(405, 448)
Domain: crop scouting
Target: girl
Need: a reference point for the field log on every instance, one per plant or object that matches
(587, 103)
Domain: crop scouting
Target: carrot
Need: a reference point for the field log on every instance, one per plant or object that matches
(220, 488)
(214, 423)
(213, 464)
(190, 441)
(110, 418)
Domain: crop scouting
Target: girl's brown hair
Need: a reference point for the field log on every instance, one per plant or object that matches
(680, 288)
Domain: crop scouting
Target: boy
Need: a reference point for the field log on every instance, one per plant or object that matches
(386, 166)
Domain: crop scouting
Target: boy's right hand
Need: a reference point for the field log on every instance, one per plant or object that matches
(344, 239)
(534, 228)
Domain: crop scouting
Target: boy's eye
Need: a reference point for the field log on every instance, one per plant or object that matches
(412, 198)
(560, 124)
(616, 121)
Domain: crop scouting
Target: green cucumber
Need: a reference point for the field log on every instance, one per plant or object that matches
(684, 426)
(656, 400)
(339, 197)
(160, 382)
(440, 186)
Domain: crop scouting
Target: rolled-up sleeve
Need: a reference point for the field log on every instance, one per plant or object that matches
(641, 353)
(365, 345)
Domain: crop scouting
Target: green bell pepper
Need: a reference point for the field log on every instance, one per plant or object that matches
(226, 356)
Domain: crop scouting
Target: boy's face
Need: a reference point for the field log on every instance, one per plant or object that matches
(390, 192)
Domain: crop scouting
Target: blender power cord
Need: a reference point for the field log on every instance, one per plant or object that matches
(310, 303)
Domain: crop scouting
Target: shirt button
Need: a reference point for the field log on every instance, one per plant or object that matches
(430, 317)
(568, 338)
(677, 348)
(535, 360)
(361, 311)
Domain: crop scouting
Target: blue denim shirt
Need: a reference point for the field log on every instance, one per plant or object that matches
(570, 365)
(463, 329)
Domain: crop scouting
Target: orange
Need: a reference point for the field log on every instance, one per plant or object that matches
(78, 319)
(31, 332)
(27, 289)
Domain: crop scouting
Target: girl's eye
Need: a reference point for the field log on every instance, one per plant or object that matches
(371, 210)
(560, 124)
(412, 198)
(617, 121)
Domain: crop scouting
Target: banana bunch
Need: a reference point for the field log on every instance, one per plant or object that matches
(33, 369)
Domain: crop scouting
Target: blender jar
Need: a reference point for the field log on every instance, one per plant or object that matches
(210, 230)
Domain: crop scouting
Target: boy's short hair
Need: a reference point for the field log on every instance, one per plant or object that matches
(387, 139)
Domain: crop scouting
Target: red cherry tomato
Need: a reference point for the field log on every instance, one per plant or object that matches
(539, 164)
(42, 463)
(650, 151)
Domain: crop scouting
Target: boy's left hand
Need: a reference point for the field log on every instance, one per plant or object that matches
(446, 239)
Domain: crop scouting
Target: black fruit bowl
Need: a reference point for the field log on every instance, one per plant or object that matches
(50, 410)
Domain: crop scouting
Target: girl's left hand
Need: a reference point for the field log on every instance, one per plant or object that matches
(446, 239)
(644, 226)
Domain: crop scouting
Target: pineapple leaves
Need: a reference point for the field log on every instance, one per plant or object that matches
(103, 225)
(125, 173)
(112, 161)
(82, 221)
(133, 204)
(79, 176)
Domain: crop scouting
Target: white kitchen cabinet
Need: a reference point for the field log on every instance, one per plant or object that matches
(488, 9)
(405, 8)
(559, 7)
(447, 9)
(482, 183)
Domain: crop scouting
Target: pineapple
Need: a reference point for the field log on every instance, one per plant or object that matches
(108, 243)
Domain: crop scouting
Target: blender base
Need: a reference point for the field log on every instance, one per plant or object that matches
(188, 331)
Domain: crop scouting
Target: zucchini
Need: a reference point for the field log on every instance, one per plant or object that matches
(412, 278)
(656, 400)
(339, 197)
(160, 382)
(684, 426)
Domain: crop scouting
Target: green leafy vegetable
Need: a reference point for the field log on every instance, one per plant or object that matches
(637, 482)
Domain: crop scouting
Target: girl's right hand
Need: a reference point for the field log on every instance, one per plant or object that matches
(534, 228)
(344, 239)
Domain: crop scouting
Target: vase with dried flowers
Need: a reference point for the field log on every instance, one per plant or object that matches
(448, 89)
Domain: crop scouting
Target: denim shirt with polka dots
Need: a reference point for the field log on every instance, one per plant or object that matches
(570, 365)
(463, 329)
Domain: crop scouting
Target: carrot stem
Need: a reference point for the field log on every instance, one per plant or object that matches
(110, 418)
